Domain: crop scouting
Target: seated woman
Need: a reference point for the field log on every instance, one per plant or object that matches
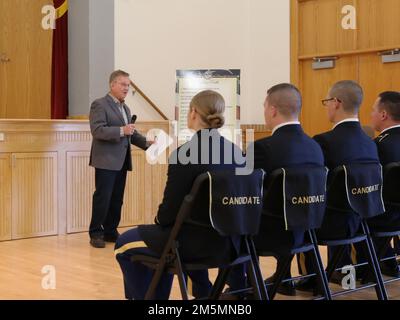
(206, 151)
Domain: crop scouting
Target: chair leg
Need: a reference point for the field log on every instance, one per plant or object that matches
(259, 276)
(181, 277)
(154, 282)
(253, 280)
(380, 253)
(379, 287)
(280, 275)
(219, 283)
(320, 268)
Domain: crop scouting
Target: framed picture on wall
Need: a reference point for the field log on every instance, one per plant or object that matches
(224, 81)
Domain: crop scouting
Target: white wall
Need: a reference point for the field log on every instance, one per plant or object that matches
(154, 38)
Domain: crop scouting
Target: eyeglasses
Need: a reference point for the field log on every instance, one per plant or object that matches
(325, 101)
(124, 84)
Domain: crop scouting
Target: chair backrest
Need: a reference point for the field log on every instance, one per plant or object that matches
(235, 202)
(357, 187)
(297, 195)
(391, 185)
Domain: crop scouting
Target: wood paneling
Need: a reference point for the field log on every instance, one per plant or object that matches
(25, 81)
(134, 208)
(5, 196)
(317, 26)
(34, 194)
(320, 27)
(314, 87)
(376, 77)
(379, 23)
(80, 188)
(51, 175)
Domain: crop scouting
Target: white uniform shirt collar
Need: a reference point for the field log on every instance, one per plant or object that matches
(392, 127)
(346, 120)
(284, 124)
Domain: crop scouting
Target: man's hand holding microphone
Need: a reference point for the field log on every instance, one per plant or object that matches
(129, 129)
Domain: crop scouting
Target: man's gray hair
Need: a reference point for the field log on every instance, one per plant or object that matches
(116, 74)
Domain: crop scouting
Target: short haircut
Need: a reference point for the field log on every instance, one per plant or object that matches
(116, 74)
(286, 98)
(390, 102)
(349, 93)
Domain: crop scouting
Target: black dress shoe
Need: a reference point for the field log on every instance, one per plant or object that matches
(337, 277)
(97, 242)
(390, 271)
(306, 285)
(285, 288)
(111, 237)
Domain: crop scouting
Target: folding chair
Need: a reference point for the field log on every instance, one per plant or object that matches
(391, 198)
(298, 196)
(338, 199)
(232, 214)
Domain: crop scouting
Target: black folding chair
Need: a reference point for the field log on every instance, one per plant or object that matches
(338, 201)
(306, 188)
(239, 222)
(391, 198)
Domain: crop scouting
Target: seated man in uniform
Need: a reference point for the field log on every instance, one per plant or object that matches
(346, 143)
(288, 146)
(385, 118)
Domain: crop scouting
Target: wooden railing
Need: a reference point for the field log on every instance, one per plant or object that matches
(148, 100)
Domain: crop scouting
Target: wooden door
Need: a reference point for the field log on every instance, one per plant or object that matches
(314, 87)
(317, 31)
(25, 70)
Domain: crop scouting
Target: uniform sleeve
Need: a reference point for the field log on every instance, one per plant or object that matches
(322, 143)
(175, 190)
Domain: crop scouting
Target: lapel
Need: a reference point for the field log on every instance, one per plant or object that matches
(115, 109)
(127, 112)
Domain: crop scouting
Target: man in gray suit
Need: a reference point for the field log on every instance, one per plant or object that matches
(113, 132)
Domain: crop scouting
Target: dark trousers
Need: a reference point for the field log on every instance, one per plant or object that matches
(107, 201)
(273, 239)
(336, 225)
(137, 277)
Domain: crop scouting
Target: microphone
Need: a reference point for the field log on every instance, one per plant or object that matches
(134, 117)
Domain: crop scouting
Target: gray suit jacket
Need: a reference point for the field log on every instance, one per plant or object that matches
(108, 147)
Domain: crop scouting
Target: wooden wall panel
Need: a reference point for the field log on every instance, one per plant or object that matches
(51, 175)
(134, 208)
(376, 77)
(314, 87)
(306, 30)
(80, 188)
(320, 28)
(5, 196)
(34, 211)
(316, 25)
(378, 24)
(159, 179)
(25, 81)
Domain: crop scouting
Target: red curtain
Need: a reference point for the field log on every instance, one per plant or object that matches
(59, 72)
